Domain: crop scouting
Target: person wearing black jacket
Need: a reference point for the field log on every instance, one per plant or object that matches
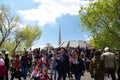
(24, 64)
(62, 66)
(78, 67)
(7, 65)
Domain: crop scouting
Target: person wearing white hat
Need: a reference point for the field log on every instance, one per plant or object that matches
(106, 49)
(109, 62)
(1, 58)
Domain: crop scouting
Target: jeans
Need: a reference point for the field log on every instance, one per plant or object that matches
(24, 70)
(53, 72)
(77, 76)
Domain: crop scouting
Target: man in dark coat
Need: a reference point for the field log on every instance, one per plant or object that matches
(7, 65)
(63, 62)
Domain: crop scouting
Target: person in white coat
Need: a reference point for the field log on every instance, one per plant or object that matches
(109, 61)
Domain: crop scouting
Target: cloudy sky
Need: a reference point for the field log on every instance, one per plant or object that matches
(49, 15)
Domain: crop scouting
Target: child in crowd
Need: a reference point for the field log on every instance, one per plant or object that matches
(43, 75)
(35, 73)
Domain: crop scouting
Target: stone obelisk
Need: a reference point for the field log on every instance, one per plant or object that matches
(59, 42)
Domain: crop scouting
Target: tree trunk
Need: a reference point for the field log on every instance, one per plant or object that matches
(17, 44)
(2, 41)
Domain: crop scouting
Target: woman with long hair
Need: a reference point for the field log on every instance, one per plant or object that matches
(78, 66)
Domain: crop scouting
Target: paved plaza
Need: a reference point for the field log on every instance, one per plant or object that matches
(85, 77)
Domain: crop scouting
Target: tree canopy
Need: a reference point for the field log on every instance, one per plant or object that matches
(102, 19)
(12, 36)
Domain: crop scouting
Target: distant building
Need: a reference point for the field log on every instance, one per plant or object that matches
(74, 43)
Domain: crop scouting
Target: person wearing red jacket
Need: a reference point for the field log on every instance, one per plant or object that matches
(44, 63)
(35, 73)
(2, 67)
(16, 67)
(43, 75)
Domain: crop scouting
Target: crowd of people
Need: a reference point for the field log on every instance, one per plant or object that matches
(60, 63)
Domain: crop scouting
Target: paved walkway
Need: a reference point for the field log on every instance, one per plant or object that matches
(85, 77)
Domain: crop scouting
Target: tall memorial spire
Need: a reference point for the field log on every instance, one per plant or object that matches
(59, 42)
